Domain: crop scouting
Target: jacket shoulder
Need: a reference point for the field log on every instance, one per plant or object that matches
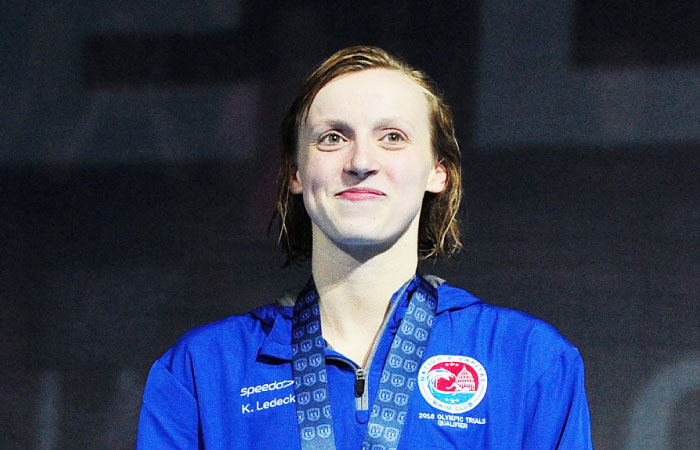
(517, 339)
(243, 332)
(514, 323)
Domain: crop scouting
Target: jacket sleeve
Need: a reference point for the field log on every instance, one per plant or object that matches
(168, 413)
(558, 408)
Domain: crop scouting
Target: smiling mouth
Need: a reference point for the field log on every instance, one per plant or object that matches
(360, 194)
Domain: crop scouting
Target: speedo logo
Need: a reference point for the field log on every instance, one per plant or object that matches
(274, 386)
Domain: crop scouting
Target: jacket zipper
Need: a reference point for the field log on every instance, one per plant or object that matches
(360, 387)
(361, 394)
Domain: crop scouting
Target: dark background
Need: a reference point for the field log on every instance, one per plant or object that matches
(138, 155)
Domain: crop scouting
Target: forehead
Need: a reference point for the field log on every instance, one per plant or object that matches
(368, 95)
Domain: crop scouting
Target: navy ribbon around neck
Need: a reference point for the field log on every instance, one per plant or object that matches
(397, 383)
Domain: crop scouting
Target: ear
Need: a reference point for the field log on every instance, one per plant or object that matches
(295, 186)
(437, 180)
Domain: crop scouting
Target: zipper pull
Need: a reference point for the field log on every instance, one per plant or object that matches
(360, 382)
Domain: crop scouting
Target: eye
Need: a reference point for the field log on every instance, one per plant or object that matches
(331, 139)
(394, 138)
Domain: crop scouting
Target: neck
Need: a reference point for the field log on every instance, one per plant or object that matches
(355, 290)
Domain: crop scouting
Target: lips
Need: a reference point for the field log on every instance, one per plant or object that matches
(360, 194)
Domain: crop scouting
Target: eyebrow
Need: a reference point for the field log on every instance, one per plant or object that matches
(331, 123)
(393, 120)
(334, 124)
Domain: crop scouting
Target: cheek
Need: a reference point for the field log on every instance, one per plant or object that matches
(314, 176)
(412, 175)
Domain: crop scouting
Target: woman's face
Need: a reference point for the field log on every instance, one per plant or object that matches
(365, 160)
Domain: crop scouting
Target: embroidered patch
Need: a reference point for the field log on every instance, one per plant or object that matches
(452, 383)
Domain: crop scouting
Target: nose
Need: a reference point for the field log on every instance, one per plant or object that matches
(362, 160)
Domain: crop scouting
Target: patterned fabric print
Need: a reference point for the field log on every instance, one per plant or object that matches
(396, 386)
(400, 371)
(309, 372)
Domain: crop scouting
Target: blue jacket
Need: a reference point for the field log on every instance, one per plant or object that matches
(491, 378)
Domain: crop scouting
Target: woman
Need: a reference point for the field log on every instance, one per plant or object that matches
(370, 355)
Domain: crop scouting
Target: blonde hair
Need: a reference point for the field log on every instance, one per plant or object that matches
(438, 233)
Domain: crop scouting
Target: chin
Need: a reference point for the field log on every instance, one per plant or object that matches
(365, 243)
(365, 237)
(357, 234)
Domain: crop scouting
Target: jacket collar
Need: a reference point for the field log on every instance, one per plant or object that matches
(278, 342)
